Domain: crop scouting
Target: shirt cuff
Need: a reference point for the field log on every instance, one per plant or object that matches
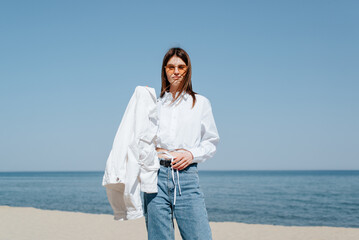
(196, 155)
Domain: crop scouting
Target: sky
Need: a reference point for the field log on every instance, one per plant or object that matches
(281, 76)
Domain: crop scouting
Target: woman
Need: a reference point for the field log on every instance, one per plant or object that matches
(187, 135)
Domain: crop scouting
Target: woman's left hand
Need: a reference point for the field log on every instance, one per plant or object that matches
(181, 159)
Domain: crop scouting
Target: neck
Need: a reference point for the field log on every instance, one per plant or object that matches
(173, 90)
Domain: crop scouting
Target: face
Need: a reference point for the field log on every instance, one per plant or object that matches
(175, 70)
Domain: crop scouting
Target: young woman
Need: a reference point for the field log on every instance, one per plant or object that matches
(187, 135)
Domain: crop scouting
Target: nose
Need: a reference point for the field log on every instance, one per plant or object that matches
(176, 71)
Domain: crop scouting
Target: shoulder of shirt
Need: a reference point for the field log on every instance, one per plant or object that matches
(143, 88)
(202, 99)
(145, 91)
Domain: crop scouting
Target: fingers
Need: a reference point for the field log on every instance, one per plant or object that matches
(176, 160)
(181, 164)
(181, 160)
(176, 163)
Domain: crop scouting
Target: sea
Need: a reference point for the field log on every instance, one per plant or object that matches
(289, 198)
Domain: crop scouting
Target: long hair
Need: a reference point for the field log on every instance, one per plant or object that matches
(186, 84)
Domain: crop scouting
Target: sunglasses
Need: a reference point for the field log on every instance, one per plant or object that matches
(171, 68)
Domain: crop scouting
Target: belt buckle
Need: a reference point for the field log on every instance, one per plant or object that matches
(166, 163)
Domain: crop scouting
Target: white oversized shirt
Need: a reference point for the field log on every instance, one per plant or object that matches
(180, 126)
(132, 164)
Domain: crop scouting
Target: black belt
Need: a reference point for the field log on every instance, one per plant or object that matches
(166, 163)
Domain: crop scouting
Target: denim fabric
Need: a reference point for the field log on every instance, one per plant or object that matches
(190, 210)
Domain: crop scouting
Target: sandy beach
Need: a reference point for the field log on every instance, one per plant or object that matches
(18, 223)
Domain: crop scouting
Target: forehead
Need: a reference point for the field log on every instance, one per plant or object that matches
(176, 61)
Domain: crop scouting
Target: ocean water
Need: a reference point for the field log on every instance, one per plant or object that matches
(291, 198)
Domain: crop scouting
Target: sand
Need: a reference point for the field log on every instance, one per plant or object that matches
(18, 223)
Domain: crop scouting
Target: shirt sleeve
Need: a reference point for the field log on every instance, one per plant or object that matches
(209, 137)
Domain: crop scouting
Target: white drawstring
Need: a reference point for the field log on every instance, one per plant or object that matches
(173, 177)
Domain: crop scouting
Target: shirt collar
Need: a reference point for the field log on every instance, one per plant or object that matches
(168, 96)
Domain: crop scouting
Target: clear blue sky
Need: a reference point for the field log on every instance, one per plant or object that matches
(282, 77)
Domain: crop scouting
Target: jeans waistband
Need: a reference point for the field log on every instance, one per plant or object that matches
(169, 160)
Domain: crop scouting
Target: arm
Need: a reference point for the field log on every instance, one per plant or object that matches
(209, 137)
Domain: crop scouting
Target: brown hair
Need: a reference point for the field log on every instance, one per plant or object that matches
(186, 84)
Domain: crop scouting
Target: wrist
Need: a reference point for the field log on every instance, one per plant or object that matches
(190, 153)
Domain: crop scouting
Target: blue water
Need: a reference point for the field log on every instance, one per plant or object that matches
(300, 198)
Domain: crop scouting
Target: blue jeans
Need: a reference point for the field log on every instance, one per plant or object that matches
(189, 210)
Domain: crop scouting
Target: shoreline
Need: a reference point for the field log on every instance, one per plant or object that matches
(105, 214)
(262, 224)
(20, 223)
